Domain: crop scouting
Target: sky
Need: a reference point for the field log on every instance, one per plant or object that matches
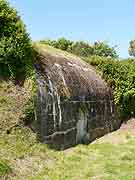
(112, 21)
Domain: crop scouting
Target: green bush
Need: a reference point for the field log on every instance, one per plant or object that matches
(120, 76)
(61, 43)
(15, 44)
(82, 48)
(103, 49)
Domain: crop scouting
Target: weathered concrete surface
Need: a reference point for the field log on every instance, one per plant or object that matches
(74, 105)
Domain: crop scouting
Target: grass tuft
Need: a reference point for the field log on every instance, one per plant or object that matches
(5, 168)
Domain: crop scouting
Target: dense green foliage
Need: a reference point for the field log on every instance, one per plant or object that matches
(61, 43)
(120, 75)
(82, 48)
(15, 44)
(103, 49)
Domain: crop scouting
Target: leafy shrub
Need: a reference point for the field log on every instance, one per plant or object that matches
(61, 43)
(15, 44)
(103, 49)
(4, 70)
(64, 44)
(82, 48)
(95, 60)
(120, 76)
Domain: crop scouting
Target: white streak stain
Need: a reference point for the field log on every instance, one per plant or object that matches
(53, 102)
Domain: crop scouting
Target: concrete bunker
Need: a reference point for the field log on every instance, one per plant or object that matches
(74, 105)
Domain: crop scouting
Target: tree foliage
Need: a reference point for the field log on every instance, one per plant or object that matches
(103, 49)
(120, 76)
(82, 48)
(15, 44)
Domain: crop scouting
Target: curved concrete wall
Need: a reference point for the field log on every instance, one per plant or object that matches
(74, 105)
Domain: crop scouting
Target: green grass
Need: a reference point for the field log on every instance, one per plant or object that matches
(5, 168)
(46, 49)
(12, 102)
(102, 160)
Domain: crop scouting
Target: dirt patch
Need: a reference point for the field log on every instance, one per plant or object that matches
(122, 135)
(128, 126)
